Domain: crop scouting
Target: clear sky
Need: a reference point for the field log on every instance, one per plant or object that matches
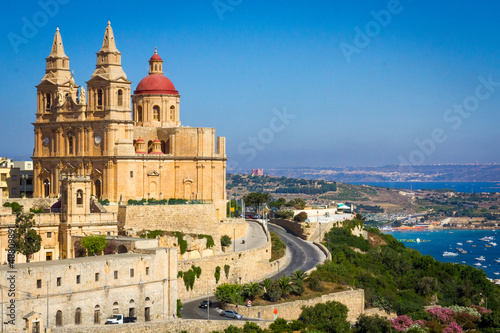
(289, 83)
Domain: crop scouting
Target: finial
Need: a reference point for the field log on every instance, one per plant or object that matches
(109, 22)
(57, 29)
(156, 52)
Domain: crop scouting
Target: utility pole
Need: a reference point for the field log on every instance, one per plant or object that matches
(47, 325)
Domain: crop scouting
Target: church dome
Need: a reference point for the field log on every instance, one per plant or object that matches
(156, 83)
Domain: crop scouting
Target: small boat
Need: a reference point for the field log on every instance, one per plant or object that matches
(496, 273)
(493, 244)
(497, 260)
(488, 245)
(473, 245)
(477, 264)
(486, 238)
(463, 252)
(449, 254)
(481, 258)
(460, 244)
(469, 241)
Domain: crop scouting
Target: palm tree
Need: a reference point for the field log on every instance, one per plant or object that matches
(252, 290)
(285, 286)
(266, 284)
(299, 276)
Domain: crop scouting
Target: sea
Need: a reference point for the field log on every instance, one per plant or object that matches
(436, 242)
(466, 187)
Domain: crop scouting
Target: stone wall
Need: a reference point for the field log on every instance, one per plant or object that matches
(190, 219)
(232, 226)
(250, 265)
(303, 230)
(353, 299)
(28, 203)
(173, 326)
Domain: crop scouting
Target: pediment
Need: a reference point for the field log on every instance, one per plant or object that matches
(154, 173)
(187, 180)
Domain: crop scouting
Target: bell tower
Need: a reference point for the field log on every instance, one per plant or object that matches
(108, 88)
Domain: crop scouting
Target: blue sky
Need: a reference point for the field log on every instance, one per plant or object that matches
(240, 65)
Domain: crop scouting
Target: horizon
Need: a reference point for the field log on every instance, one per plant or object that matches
(339, 85)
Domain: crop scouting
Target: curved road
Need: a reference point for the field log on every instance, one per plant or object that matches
(303, 255)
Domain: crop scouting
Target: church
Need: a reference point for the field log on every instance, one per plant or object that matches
(131, 145)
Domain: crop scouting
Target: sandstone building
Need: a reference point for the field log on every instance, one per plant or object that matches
(131, 146)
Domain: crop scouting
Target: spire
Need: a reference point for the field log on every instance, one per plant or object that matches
(108, 44)
(57, 46)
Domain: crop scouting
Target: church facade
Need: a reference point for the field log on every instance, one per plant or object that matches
(131, 145)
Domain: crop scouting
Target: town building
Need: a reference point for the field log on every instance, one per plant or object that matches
(131, 145)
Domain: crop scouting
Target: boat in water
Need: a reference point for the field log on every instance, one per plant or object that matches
(450, 254)
(481, 258)
(460, 244)
(486, 238)
(497, 260)
(469, 241)
(477, 264)
(493, 244)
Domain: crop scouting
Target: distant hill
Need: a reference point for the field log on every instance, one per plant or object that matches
(396, 173)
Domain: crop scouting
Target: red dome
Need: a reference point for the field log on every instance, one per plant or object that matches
(156, 84)
(155, 57)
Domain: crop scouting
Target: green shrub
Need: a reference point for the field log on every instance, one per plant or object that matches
(179, 308)
(210, 240)
(300, 217)
(284, 214)
(226, 271)
(278, 247)
(217, 274)
(180, 241)
(37, 210)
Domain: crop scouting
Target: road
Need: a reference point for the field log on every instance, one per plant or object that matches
(303, 255)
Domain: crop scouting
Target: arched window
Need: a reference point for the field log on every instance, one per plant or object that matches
(131, 310)
(70, 145)
(48, 101)
(139, 114)
(79, 197)
(78, 316)
(59, 318)
(156, 113)
(150, 146)
(120, 97)
(46, 188)
(97, 315)
(99, 98)
(172, 113)
(122, 249)
(116, 308)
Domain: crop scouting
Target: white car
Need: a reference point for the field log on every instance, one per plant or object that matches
(231, 314)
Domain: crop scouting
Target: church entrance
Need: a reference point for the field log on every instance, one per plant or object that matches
(46, 188)
(97, 186)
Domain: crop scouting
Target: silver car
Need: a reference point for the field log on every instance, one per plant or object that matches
(231, 314)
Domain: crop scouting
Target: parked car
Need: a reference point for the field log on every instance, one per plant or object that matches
(204, 304)
(257, 216)
(120, 319)
(231, 314)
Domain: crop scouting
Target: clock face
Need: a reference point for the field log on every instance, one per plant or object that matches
(97, 139)
(46, 141)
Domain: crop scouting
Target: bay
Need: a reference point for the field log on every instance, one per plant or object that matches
(466, 187)
(435, 242)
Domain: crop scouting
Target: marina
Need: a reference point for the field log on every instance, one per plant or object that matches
(472, 247)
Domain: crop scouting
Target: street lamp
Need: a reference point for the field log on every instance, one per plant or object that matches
(239, 297)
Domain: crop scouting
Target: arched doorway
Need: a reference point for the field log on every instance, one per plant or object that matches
(122, 249)
(97, 314)
(97, 185)
(46, 188)
(59, 318)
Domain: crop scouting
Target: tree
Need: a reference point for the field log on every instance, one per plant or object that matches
(252, 290)
(26, 240)
(278, 204)
(94, 243)
(110, 247)
(284, 284)
(273, 291)
(299, 276)
(256, 199)
(225, 240)
(330, 317)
